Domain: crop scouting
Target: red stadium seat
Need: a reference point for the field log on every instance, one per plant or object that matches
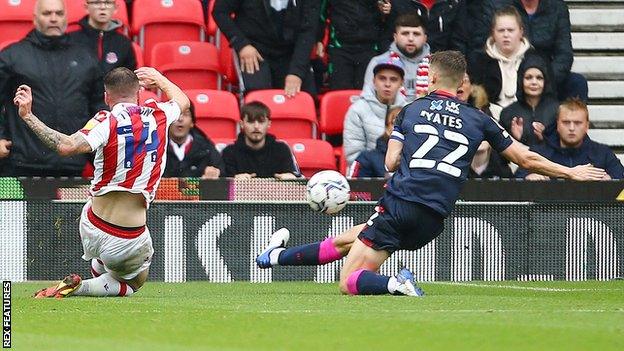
(216, 112)
(290, 117)
(157, 21)
(334, 106)
(226, 60)
(138, 54)
(189, 64)
(211, 25)
(16, 19)
(76, 11)
(312, 155)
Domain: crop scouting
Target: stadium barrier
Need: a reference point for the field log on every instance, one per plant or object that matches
(218, 241)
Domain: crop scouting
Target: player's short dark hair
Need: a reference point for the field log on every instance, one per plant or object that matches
(574, 104)
(450, 65)
(507, 11)
(121, 81)
(410, 19)
(255, 111)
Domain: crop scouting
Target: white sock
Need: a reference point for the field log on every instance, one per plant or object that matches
(97, 268)
(104, 285)
(392, 284)
(274, 256)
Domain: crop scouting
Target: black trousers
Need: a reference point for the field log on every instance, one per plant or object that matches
(272, 73)
(348, 66)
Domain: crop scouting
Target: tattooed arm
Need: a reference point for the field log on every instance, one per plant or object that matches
(64, 145)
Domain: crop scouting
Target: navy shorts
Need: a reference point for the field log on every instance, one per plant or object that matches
(401, 225)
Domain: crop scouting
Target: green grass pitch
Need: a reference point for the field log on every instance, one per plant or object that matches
(309, 316)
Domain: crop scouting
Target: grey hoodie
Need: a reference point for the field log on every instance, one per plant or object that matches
(365, 122)
(415, 67)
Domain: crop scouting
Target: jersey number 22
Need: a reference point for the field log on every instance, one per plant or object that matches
(445, 165)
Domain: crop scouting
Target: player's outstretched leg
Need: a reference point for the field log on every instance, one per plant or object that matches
(317, 253)
(359, 277)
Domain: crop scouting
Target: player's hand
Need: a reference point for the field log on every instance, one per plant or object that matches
(250, 59)
(5, 146)
(292, 85)
(149, 77)
(384, 6)
(538, 130)
(587, 172)
(284, 176)
(211, 173)
(320, 49)
(535, 176)
(517, 127)
(244, 176)
(23, 100)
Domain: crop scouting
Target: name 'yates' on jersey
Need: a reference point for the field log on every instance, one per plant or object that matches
(443, 112)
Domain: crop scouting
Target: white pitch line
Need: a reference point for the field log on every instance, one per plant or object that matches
(451, 311)
(514, 287)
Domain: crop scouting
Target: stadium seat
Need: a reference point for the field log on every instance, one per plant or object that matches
(334, 106)
(189, 64)
(226, 60)
(157, 21)
(312, 155)
(290, 117)
(138, 54)
(16, 19)
(211, 25)
(216, 112)
(76, 11)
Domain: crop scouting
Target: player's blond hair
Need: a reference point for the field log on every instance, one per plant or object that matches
(450, 66)
(574, 104)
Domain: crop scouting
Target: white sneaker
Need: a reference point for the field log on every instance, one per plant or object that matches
(406, 286)
(278, 239)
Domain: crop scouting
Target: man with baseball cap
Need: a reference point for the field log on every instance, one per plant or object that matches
(365, 121)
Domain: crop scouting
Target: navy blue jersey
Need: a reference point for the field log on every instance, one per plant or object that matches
(440, 136)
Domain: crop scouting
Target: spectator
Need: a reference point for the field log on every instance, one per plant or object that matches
(273, 41)
(371, 163)
(365, 120)
(445, 21)
(570, 145)
(190, 152)
(496, 67)
(536, 108)
(99, 33)
(547, 26)
(355, 27)
(256, 153)
(410, 44)
(67, 83)
(487, 163)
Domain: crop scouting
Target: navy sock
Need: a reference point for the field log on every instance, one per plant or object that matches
(371, 283)
(304, 255)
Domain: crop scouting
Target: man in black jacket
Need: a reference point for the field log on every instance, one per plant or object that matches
(256, 153)
(273, 40)
(68, 85)
(99, 33)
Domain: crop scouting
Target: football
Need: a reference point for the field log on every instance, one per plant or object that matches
(327, 192)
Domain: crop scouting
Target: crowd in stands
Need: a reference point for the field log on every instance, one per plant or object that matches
(519, 73)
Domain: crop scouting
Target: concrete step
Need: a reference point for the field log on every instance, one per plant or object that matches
(599, 67)
(606, 89)
(611, 137)
(600, 41)
(606, 114)
(597, 19)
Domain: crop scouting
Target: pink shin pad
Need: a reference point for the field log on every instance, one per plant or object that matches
(327, 252)
(352, 281)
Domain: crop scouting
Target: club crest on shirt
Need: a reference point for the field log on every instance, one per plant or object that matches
(436, 105)
(111, 58)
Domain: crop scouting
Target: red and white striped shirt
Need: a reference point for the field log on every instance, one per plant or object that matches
(130, 143)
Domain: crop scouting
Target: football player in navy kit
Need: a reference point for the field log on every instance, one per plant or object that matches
(430, 151)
